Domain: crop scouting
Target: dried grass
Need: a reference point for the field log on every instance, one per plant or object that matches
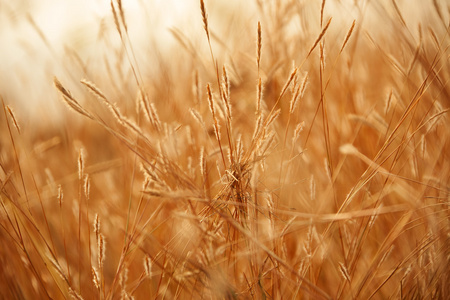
(203, 192)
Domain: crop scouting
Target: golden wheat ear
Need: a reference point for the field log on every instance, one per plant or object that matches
(70, 100)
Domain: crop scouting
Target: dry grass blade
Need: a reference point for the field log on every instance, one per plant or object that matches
(197, 117)
(272, 117)
(399, 14)
(116, 19)
(259, 95)
(272, 113)
(13, 117)
(148, 266)
(95, 278)
(299, 91)
(95, 90)
(288, 82)
(69, 100)
(75, 295)
(122, 14)
(213, 110)
(149, 109)
(324, 30)
(322, 9)
(154, 118)
(204, 17)
(347, 37)
(298, 129)
(344, 272)
(226, 90)
(216, 122)
(258, 45)
(81, 165)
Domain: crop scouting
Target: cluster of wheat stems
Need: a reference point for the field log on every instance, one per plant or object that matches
(317, 168)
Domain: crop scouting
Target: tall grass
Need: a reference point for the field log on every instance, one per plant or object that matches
(308, 160)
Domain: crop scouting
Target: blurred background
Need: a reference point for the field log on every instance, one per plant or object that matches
(72, 39)
(42, 39)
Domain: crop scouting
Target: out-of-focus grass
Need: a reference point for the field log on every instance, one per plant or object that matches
(185, 165)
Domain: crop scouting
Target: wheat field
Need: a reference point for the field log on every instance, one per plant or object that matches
(256, 150)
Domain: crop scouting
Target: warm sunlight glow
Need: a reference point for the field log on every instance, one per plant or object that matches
(224, 149)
